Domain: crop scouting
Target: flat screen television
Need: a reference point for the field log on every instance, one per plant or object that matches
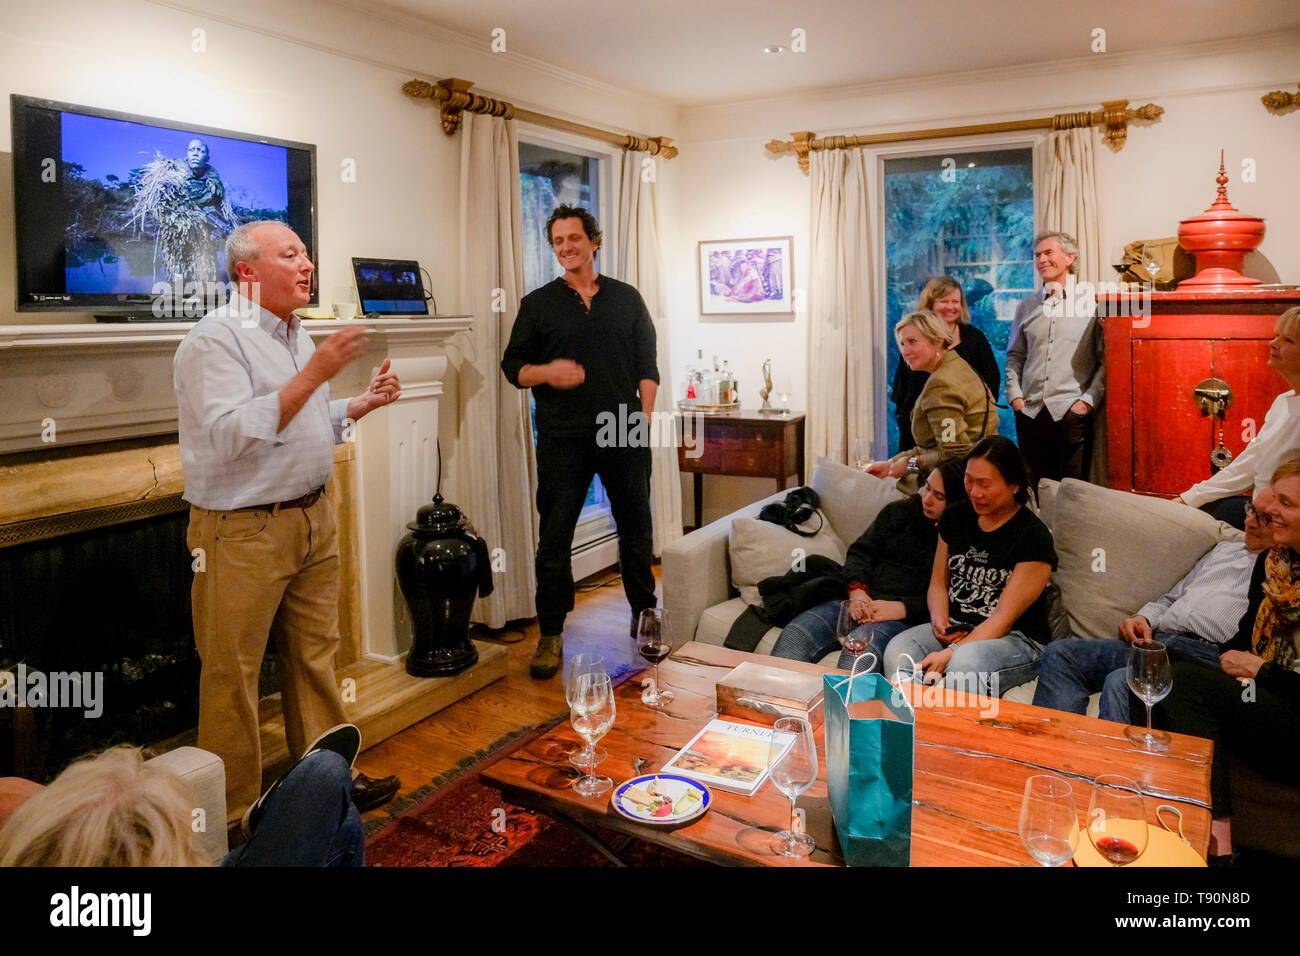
(127, 216)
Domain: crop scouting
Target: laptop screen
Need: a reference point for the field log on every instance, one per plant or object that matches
(389, 287)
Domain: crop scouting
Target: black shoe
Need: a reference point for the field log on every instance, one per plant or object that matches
(368, 793)
(342, 739)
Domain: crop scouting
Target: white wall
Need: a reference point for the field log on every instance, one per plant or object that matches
(728, 186)
(314, 72)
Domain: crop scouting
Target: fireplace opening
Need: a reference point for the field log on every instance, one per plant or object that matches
(96, 639)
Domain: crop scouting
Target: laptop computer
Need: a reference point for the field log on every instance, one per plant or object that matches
(389, 288)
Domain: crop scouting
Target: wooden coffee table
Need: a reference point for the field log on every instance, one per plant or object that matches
(973, 755)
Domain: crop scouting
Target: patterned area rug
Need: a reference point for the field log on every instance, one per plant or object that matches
(458, 821)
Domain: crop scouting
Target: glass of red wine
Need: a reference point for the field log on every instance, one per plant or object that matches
(1117, 820)
(652, 644)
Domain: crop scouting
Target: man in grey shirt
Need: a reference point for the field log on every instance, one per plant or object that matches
(257, 434)
(1194, 621)
(1055, 373)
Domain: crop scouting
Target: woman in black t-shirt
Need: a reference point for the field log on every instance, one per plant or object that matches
(988, 614)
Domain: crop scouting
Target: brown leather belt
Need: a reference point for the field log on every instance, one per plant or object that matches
(306, 501)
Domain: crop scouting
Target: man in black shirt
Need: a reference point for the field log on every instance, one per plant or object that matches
(585, 344)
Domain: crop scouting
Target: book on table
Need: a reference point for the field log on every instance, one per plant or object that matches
(728, 755)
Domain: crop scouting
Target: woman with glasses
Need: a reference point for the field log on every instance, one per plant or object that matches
(1250, 704)
(1220, 494)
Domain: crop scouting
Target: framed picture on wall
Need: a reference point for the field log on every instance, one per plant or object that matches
(746, 276)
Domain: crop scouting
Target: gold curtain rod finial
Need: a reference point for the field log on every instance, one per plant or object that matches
(1279, 101)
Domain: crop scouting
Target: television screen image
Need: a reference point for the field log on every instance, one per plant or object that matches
(112, 206)
(146, 204)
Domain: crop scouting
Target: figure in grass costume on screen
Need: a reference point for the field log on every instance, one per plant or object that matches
(187, 199)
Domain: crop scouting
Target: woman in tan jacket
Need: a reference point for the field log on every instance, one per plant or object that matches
(953, 411)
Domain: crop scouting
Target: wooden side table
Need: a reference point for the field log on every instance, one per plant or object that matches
(743, 443)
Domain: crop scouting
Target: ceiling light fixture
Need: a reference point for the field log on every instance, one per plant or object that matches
(773, 49)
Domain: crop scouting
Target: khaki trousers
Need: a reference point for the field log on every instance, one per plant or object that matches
(268, 572)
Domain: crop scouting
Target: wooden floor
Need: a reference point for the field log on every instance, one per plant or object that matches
(599, 622)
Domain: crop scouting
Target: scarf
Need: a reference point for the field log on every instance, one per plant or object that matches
(1279, 613)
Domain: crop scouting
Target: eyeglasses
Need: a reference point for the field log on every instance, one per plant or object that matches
(1263, 517)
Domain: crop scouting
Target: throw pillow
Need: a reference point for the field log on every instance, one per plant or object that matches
(1119, 550)
(761, 549)
(851, 498)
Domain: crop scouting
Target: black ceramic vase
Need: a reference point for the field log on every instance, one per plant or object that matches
(441, 566)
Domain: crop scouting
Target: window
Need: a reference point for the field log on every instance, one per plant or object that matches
(549, 177)
(972, 220)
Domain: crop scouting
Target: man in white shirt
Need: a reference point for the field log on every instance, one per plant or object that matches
(257, 434)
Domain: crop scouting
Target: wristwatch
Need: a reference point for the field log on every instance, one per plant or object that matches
(912, 468)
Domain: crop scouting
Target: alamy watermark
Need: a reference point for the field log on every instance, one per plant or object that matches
(943, 692)
(634, 429)
(192, 300)
(1078, 300)
(78, 690)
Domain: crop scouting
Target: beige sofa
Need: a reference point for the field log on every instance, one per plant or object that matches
(1117, 551)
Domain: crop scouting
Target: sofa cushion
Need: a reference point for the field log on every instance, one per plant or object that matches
(716, 621)
(761, 549)
(1119, 550)
(851, 498)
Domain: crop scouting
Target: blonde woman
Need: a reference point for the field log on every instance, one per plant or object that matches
(116, 809)
(955, 408)
(944, 297)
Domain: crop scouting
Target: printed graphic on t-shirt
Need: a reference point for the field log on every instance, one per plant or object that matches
(973, 586)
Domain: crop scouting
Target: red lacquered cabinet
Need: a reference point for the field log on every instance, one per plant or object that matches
(1159, 442)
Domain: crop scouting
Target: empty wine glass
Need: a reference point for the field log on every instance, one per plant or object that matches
(592, 715)
(861, 453)
(1117, 820)
(586, 663)
(793, 772)
(654, 647)
(1151, 678)
(1049, 825)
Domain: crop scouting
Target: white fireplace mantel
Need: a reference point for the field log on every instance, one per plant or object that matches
(67, 385)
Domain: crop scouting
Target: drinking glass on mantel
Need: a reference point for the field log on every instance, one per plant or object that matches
(586, 663)
(1117, 820)
(1151, 678)
(1049, 825)
(654, 647)
(792, 774)
(592, 715)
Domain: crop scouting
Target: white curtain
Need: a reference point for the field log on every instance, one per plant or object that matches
(1065, 174)
(638, 262)
(1065, 168)
(495, 462)
(840, 306)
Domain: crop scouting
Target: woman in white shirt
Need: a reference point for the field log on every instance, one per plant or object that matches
(1225, 494)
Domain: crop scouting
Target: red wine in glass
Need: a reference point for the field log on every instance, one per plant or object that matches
(1117, 850)
(655, 652)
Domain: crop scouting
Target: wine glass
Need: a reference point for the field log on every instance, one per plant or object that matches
(1151, 678)
(585, 663)
(654, 647)
(1117, 820)
(847, 631)
(861, 453)
(1049, 825)
(793, 772)
(592, 715)
(783, 402)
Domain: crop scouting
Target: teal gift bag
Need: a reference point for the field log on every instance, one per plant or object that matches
(869, 768)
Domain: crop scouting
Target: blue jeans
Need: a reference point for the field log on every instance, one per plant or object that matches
(310, 820)
(1076, 668)
(811, 636)
(990, 668)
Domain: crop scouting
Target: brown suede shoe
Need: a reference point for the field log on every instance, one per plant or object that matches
(550, 653)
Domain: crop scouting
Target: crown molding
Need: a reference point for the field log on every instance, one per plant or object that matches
(409, 24)
(1090, 63)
